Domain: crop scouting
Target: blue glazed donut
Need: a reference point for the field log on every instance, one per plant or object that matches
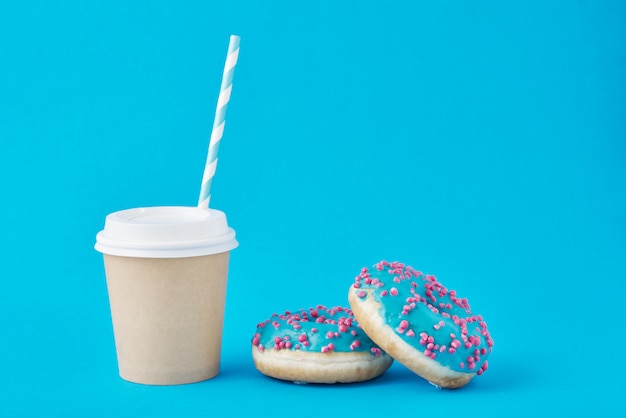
(421, 323)
(317, 345)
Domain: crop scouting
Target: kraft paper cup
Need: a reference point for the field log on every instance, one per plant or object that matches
(166, 271)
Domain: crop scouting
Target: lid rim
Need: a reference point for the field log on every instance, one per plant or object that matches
(165, 232)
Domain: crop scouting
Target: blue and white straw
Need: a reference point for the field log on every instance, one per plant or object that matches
(219, 122)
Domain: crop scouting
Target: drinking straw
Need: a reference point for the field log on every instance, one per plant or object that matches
(219, 121)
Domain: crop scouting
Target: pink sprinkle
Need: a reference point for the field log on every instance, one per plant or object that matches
(361, 294)
(393, 291)
(442, 349)
(383, 293)
(328, 347)
(261, 348)
(410, 333)
(404, 324)
(343, 328)
(462, 365)
(330, 334)
(427, 352)
(432, 308)
(277, 340)
(302, 338)
(353, 332)
(313, 330)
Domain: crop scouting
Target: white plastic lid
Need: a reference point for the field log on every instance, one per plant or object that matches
(166, 232)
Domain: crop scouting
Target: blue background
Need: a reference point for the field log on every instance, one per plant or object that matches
(483, 142)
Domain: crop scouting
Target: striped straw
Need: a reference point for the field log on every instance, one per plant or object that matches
(218, 123)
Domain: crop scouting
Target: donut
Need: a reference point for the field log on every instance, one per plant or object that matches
(317, 345)
(421, 323)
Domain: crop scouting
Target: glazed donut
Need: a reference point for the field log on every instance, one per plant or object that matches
(317, 345)
(420, 323)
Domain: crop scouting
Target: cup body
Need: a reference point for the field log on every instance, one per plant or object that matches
(167, 297)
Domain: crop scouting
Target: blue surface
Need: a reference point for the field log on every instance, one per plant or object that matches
(481, 142)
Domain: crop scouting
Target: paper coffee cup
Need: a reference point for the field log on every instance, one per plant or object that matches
(166, 271)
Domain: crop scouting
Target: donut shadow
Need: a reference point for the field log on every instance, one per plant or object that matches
(323, 385)
(506, 375)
